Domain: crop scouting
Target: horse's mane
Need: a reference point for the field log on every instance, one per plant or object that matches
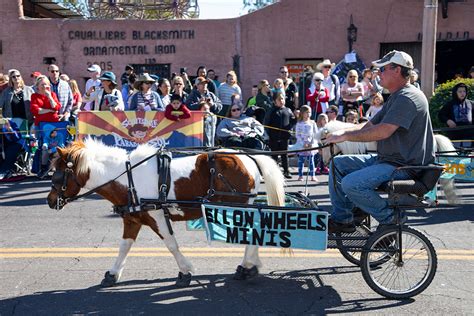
(93, 154)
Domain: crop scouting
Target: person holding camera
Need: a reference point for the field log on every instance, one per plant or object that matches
(317, 96)
(188, 86)
(202, 94)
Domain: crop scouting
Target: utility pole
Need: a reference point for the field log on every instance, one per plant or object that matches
(428, 46)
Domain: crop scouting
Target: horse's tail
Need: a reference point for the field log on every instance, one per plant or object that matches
(274, 181)
(446, 147)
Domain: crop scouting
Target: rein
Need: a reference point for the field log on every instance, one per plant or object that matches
(63, 200)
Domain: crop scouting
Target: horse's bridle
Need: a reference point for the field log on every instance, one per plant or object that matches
(60, 179)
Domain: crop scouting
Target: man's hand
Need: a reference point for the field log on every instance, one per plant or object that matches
(335, 137)
(451, 123)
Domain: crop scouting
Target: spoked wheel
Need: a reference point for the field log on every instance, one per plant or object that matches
(396, 277)
(353, 256)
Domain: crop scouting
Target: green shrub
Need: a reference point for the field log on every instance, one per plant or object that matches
(443, 95)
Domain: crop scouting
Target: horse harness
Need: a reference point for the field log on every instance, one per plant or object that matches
(164, 178)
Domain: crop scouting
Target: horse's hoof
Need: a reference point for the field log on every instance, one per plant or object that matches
(252, 272)
(183, 280)
(244, 274)
(109, 280)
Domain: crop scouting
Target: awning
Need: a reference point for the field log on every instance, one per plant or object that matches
(58, 7)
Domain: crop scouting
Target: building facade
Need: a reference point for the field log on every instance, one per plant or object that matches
(295, 32)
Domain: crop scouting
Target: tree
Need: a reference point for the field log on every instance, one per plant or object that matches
(253, 5)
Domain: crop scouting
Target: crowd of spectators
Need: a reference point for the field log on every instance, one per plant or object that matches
(271, 116)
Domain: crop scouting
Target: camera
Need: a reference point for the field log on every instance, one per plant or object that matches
(183, 70)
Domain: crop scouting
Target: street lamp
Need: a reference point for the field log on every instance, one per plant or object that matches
(351, 34)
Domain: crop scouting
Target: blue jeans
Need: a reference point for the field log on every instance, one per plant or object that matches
(301, 161)
(356, 178)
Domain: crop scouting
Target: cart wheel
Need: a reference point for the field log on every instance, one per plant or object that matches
(395, 278)
(353, 256)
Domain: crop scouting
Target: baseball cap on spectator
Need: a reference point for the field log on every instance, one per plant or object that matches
(128, 67)
(318, 76)
(109, 76)
(200, 80)
(94, 68)
(35, 74)
(395, 57)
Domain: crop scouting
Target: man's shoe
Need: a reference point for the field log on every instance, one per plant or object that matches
(287, 175)
(325, 170)
(335, 227)
(318, 170)
(359, 215)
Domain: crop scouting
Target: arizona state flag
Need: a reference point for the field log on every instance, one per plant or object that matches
(129, 129)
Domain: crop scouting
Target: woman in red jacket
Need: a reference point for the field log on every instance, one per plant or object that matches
(44, 104)
(317, 96)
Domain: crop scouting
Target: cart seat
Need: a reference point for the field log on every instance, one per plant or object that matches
(413, 190)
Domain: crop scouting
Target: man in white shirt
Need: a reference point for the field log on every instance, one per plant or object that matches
(330, 82)
(94, 71)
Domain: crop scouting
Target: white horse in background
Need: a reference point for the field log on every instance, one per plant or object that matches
(442, 144)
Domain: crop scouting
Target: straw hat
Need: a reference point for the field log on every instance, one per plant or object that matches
(145, 77)
(324, 63)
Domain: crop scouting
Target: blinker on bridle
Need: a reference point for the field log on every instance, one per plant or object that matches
(60, 179)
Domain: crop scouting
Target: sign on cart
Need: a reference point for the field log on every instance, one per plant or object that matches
(303, 229)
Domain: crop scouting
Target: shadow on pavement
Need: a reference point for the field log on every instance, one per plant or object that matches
(279, 292)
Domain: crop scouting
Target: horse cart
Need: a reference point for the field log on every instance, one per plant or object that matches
(396, 261)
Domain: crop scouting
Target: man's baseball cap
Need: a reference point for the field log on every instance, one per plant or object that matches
(94, 68)
(200, 80)
(395, 57)
(35, 74)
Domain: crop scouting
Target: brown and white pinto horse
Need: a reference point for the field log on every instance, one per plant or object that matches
(90, 164)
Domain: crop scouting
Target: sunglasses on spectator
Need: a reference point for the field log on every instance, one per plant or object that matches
(236, 110)
(284, 72)
(53, 71)
(317, 80)
(327, 66)
(16, 76)
(178, 84)
(352, 76)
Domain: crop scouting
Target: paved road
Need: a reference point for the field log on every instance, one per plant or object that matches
(51, 263)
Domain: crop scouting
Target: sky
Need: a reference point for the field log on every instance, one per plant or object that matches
(220, 9)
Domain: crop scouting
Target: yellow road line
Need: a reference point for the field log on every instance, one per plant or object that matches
(205, 255)
(193, 249)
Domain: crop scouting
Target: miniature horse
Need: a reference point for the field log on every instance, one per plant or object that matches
(91, 164)
(442, 145)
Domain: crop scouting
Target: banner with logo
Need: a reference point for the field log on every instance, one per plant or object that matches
(267, 228)
(129, 129)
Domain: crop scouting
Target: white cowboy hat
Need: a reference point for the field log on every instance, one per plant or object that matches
(325, 62)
